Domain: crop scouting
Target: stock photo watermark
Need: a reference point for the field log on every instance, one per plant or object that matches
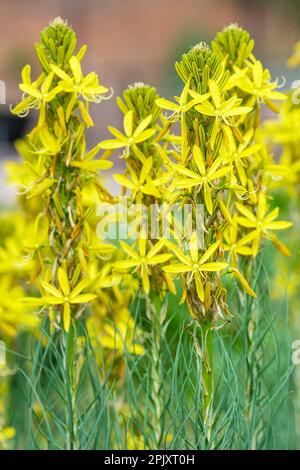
(296, 352)
(2, 354)
(296, 92)
(124, 220)
(2, 92)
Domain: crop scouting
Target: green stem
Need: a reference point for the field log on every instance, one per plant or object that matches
(252, 352)
(184, 139)
(207, 377)
(155, 309)
(251, 379)
(70, 397)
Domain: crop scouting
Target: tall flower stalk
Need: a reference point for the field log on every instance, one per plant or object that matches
(58, 169)
(281, 135)
(257, 169)
(218, 164)
(141, 146)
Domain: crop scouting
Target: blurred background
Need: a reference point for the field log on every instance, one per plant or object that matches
(133, 40)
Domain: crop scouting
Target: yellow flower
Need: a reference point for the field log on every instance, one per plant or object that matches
(14, 316)
(103, 279)
(44, 142)
(88, 164)
(294, 60)
(193, 265)
(41, 97)
(63, 296)
(179, 111)
(262, 223)
(203, 178)
(131, 137)
(259, 85)
(222, 109)
(143, 260)
(234, 246)
(119, 336)
(240, 152)
(183, 104)
(134, 442)
(6, 434)
(88, 87)
(33, 97)
(139, 183)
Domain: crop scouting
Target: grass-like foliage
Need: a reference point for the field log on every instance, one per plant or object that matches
(252, 402)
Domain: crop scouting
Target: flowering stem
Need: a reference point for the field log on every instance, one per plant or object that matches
(207, 377)
(155, 310)
(70, 400)
(62, 94)
(253, 352)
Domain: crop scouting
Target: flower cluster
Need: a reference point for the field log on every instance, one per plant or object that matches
(221, 164)
(59, 192)
(57, 170)
(217, 160)
(146, 135)
(281, 136)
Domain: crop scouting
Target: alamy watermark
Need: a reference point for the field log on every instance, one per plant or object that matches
(296, 352)
(296, 92)
(2, 354)
(125, 220)
(2, 92)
